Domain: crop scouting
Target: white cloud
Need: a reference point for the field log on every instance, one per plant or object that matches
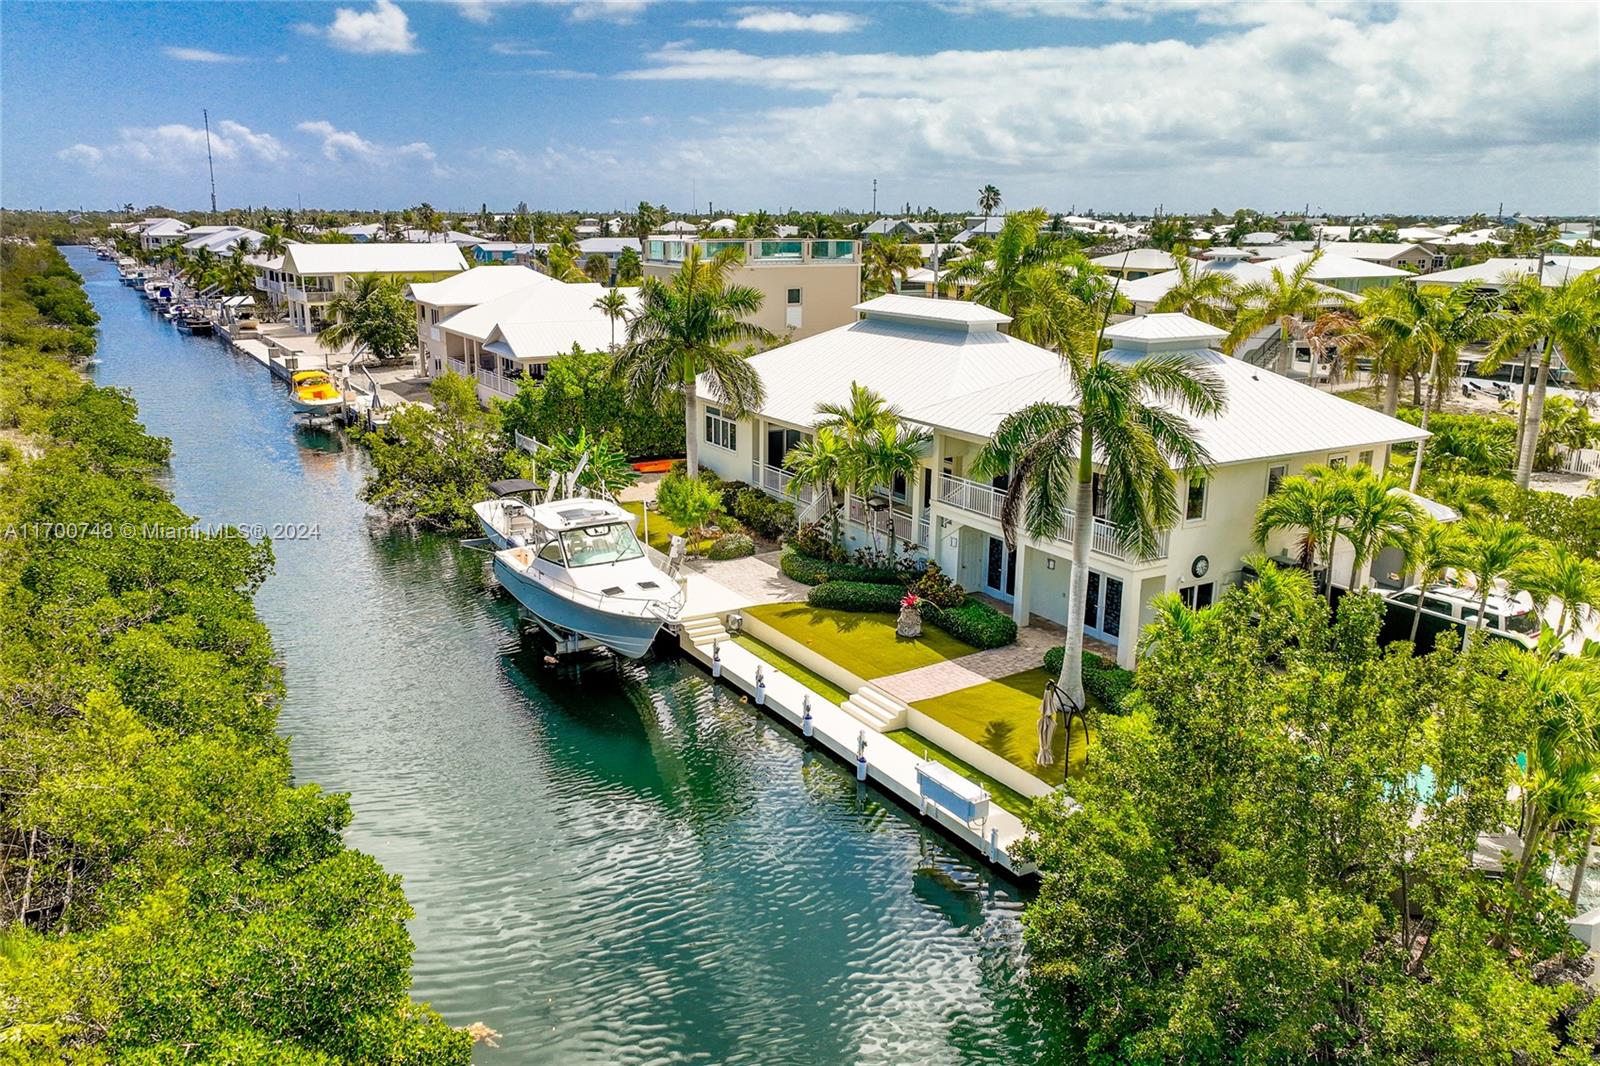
(560, 73)
(1299, 99)
(511, 48)
(479, 11)
(348, 146)
(383, 30)
(201, 55)
(82, 154)
(773, 20)
(622, 11)
(177, 147)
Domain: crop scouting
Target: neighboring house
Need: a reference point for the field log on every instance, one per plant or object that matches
(498, 341)
(1401, 256)
(948, 367)
(679, 227)
(1494, 275)
(1136, 263)
(221, 240)
(587, 227)
(495, 252)
(807, 285)
(978, 226)
(367, 231)
(722, 225)
(449, 236)
(1335, 271)
(312, 274)
(438, 300)
(610, 247)
(160, 233)
(891, 227)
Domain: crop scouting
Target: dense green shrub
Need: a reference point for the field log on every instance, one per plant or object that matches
(1102, 679)
(812, 571)
(815, 540)
(578, 390)
(936, 587)
(975, 623)
(856, 596)
(768, 517)
(732, 546)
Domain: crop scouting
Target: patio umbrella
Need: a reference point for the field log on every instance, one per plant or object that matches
(1047, 726)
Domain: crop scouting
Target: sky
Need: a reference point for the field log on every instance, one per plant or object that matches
(1108, 105)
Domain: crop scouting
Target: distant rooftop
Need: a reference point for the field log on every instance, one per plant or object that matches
(971, 317)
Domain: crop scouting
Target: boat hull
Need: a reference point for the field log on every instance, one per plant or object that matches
(628, 636)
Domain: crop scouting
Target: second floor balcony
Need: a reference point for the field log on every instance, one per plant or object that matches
(978, 498)
(757, 251)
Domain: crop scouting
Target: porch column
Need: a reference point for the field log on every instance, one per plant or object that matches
(1020, 600)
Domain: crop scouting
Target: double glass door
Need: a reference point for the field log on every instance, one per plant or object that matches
(1102, 607)
(1000, 573)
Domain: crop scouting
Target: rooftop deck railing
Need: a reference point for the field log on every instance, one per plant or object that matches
(757, 252)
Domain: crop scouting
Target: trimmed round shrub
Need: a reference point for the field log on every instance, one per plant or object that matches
(856, 596)
(732, 546)
(975, 623)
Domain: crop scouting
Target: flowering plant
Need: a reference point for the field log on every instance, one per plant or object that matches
(911, 600)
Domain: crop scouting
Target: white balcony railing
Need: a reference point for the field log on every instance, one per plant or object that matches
(903, 526)
(985, 500)
(496, 383)
(778, 482)
(970, 495)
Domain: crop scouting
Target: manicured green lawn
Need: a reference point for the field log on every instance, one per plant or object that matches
(820, 685)
(1003, 716)
(861, 642)
(1011, 800)
(662, 529)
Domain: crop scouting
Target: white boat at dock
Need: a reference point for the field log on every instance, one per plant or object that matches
(583, 575)
(507, 520)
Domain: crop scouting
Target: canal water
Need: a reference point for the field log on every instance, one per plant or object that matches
(609, 864)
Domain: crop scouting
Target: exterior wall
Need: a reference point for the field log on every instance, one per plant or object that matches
(828, 294)
(306, 295)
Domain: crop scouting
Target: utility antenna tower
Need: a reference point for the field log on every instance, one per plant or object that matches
(205, 117)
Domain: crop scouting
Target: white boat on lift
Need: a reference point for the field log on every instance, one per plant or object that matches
(507, 520)
(583, 575)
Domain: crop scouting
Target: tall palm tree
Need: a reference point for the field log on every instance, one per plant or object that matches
(1279, 299)
(273, 242)
(1206, 295)
(1006, 272)
(856, 419)
(988, 200)
(884, 260)
(344, 311)
(1378, 517)
(1495, 550)
(1433, 548)
(1566, 578)
(822, 463)
(562, 264)
(1564, 318)
(1132, 415)
(686, 326)
(614, 305)
(1314, 503)
(892, 451)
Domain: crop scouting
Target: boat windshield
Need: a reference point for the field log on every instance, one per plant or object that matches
(593, 545)
(1524, 622)
(309, 381)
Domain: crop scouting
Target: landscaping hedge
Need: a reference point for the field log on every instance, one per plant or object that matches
(732, 546)
(1104, 680)
(809, 570)
(973, 622)
(856, 596)
(770, 518)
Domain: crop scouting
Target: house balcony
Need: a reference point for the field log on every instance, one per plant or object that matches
(977, 498)
(905, 530)
(495, 383)
(778, 482)
(776, 251)
(268, 285)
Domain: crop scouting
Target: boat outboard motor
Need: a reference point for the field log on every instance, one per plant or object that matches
(517, 540)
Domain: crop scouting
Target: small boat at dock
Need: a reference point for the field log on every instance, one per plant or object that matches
(313, 392)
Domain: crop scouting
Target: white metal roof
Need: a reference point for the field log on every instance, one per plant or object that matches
(373, 258)
(472, 287)
(541, 320)
(942, 313)
(1137, 259)
(1328, 268)
(1494, 273)
(1370, 250)
(222, 238)
(1164, 327)
(607, 245)
(677, 226)
(1267, 415)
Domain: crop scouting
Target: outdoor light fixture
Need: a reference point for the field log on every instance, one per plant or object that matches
(735, 622)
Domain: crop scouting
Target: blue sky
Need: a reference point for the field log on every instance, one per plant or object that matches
(1106, 104)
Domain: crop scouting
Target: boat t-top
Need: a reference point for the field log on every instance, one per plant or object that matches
(313, 392)
(507, 520)
(582, 574)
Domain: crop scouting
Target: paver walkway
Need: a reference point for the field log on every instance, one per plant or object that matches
(755, 576)
(926, 682)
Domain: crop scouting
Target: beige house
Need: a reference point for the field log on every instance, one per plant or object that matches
(310, 275)
(949, 368)
(1402, 256)
(809, 286)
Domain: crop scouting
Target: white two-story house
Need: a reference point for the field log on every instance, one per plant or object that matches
(309, 276)
(947, 366)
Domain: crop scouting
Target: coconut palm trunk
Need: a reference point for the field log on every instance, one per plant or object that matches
(1522, 404)
(1391, 391)
(1583, 867)
(691, 439)
(1071, 679)
(1530, 433)
(1416, 467)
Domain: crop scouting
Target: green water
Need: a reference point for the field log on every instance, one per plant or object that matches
(608, 863)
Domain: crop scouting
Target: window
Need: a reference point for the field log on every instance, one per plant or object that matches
(1275, 476)
(594, 545)
(779, 441)
(551, 553)
(1195, 597)
(1365, 459)
(1338, 462)
(1194, 507)
(721, 430)
(1097, 496)
(794, 297)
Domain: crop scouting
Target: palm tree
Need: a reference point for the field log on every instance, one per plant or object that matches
(988, 200)
(687, 326)
(597, 268)
(1006, 272)
(1314, 503)
(821, 462)
(1433, 548)
(629, 268)
(563, 265)
(1378, 516)
(1206, 295)
(614, 305)
(1495, 550)
(1131, 414)
(1279, 300)
(344, 313)
(1565, 317)
(273, 242)
(884, 260)
(1336, 336)
(1563, 577)
(892, 451)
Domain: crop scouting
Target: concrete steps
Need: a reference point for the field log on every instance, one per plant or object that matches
(704, 631)
(876, 709)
